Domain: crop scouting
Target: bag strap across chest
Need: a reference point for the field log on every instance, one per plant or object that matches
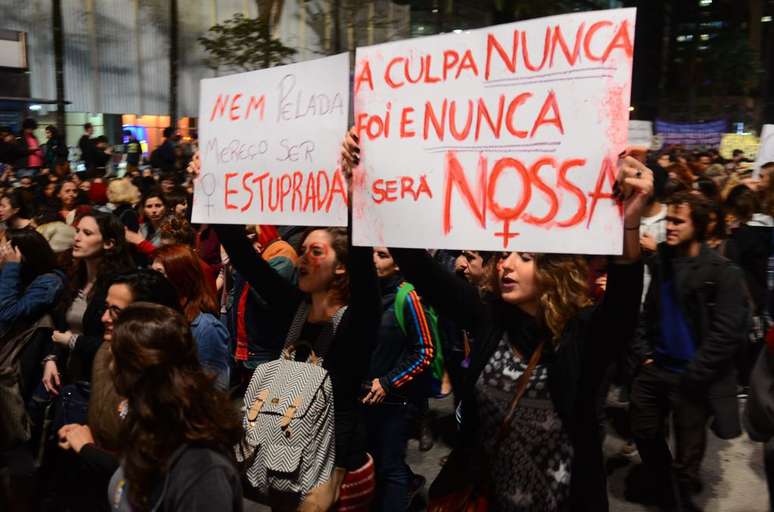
(323, 341)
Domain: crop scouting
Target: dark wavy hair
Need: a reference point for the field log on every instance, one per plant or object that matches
(37, 256)
(172, 401)
(114, 261)
(15, 200)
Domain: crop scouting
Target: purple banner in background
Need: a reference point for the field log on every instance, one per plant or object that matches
(691, 134)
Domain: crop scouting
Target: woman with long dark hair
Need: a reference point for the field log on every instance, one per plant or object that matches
(55, 152)
(183, 268)
(30, 282)
(99, 254)
(334, 279)
(14, 212)
(540, 338)
(336, 282)
(179, 431)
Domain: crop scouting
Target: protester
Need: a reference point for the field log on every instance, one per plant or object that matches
(56, 151)
(67, 196)
(687, 359)
(14, 211)
(542, 306)
(99, 254)
(154, 210)
(86, 145)
(96, 445)
(32, 160)
(255, 337)
(397, 375)
(332, 275)
(163, 157)
(123, 196)
(30, 282)
(30, 286)
(133, 151)
(183, 269)
(177, 445)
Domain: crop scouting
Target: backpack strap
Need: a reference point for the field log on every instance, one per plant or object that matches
(323, 342)
(399, 305)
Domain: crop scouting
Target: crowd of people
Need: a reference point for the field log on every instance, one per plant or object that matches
(148, 363)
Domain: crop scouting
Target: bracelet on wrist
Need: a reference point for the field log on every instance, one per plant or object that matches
(48, 358)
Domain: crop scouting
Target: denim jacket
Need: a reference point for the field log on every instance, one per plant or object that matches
(26, 305)
(211, 339)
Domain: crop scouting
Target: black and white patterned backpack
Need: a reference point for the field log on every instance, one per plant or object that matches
(289, 441)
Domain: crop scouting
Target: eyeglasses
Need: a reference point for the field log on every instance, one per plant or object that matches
(114, 311)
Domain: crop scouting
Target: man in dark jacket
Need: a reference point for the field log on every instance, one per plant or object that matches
(86, 145)
(692, 326)
(163, 157)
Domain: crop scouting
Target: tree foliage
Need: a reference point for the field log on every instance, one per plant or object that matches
(244, 44)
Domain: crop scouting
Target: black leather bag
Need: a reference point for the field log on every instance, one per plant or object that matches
(14, 422)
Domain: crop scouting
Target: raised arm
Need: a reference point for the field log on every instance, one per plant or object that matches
(614, 321)
(281, 296)
(451, 296)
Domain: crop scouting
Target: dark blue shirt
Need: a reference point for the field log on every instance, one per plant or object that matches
(676, 347)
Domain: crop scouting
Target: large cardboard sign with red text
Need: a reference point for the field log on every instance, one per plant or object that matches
(505, 137)
(269, 145)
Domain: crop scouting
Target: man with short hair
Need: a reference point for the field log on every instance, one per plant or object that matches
(164, 157)
(86, 145)
(693, 323)
(133, 151)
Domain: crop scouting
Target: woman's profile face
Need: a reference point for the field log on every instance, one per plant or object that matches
(6, 211)
(516, 275)
(317, 264)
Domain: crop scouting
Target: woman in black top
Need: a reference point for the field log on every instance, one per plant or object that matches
(99, 254)
(550, 459)
(331, 274)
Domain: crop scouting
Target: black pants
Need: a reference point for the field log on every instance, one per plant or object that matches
(655, 393)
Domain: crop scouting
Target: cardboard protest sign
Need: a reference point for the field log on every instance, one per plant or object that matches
(766, 149)
(269, 145)
(747, 142)
(505, 137)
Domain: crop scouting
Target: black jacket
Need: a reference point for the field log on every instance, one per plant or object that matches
(401, 360)
(575, 369)
(749, 247)
(347, 357)
(759, 410)
(88, 343)
(712, 297)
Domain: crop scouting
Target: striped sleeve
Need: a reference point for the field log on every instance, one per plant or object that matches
(419, 353)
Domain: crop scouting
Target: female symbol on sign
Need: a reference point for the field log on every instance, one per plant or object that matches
(208, 186)
(508, 214)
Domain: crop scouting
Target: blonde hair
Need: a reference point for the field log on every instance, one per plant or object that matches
(122, 191)
(563, 287)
